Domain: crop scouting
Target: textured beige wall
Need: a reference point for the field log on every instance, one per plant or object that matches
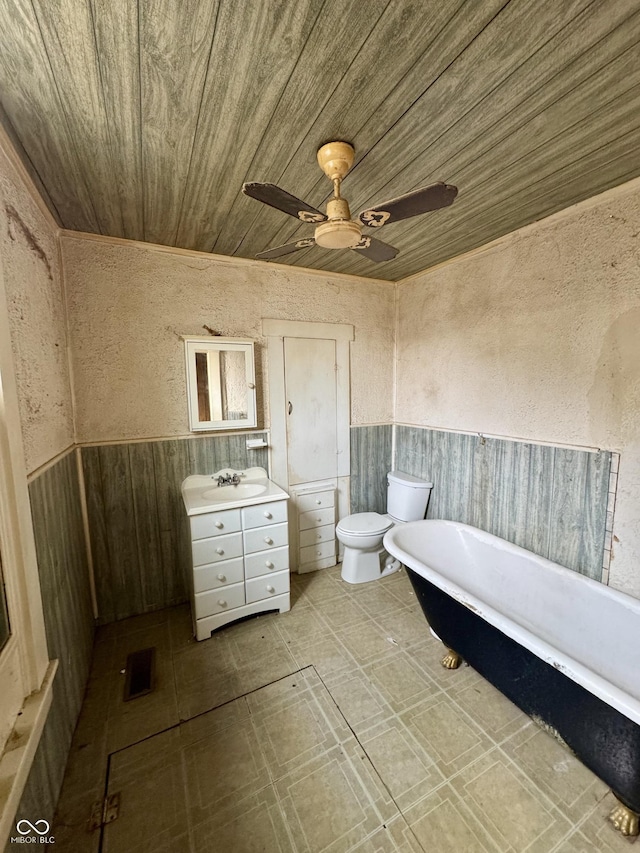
(538, 337)
(28, 245)
(129, 303)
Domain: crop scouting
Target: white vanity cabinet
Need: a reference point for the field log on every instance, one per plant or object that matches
(315, 526)
(240, 564)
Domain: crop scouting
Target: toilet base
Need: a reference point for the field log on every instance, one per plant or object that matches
(365, 566)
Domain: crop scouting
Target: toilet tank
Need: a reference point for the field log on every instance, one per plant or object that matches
(407, 496)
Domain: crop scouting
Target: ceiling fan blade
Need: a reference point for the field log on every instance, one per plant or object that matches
(282, 200)
(375, 250)
(279, 251)
(419, 201)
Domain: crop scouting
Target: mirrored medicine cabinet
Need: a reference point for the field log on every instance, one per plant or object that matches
(221, 387)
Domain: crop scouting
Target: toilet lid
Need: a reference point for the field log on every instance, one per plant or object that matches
(365, 523)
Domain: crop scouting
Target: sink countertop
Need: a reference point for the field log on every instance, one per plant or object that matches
(197, 491)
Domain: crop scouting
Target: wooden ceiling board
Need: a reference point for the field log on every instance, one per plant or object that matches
(617, 160)
(7, 128)
(175, 48)
(497, 183)
(529, 98)
(594, 170)
(71, 50)
(492, 232)
(142, 118)
(324, 61)
(387, 103)
(540, 199)
(255, 48)
(369, 87)
(495, 117)
(550, 112)
(392, 167)
(483, 67)
(31, 102)
(118, 53)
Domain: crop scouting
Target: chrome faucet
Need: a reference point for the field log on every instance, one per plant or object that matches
(228, 480)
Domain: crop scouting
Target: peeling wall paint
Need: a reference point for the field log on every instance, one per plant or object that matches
(129, 304)
(538, 337)
(33, 283)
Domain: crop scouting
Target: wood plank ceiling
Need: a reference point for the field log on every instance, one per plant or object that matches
(143, 119)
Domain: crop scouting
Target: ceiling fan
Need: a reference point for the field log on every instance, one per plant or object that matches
(336, 229)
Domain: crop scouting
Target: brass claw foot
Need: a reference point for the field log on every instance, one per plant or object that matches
(624, 820)
(451, 660)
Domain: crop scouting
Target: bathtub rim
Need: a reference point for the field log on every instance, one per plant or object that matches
(610, 693)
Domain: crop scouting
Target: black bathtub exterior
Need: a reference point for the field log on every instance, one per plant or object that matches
(606, 741)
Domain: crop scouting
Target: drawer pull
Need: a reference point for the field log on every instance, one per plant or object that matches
(318, 535)
(221, 578)
(222, 602)
(271, 588)
(269, 564)
(219, 525)
(268, 514)
(319, 502)
(268, 540)
(220, 551)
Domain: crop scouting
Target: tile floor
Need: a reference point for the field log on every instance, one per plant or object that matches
(330, 728)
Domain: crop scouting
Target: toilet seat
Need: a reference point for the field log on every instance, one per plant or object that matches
(365, 524)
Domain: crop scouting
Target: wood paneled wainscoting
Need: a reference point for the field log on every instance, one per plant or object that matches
(63, 570)
(138, 529)
(554, 501)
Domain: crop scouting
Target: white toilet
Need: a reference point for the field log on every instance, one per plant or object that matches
(361, 534)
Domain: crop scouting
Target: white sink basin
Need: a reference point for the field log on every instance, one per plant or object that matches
(234, 492)
(201, 493)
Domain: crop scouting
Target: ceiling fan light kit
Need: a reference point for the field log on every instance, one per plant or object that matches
(338, 234)
(336, 229)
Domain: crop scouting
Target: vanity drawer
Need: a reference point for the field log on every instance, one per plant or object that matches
(317, 518)
(315, 500)
(267, 586)
(215, 523)
(218, 600)
(317, 552)
(216, 549)
(263, 564)
(215, 575)
(258, 516)
(317, 534)
(265, 538)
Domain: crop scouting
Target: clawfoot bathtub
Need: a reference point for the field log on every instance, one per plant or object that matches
(562, 647)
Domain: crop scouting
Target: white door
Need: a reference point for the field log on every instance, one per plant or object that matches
(311, 400)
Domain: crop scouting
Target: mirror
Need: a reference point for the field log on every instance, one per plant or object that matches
(220, 383)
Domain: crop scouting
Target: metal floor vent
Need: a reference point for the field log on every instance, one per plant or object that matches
(139, 673)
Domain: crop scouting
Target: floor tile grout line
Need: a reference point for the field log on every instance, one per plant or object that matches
(357, 739)
(476, 725)
(207, 711)
(551, 804)
(106, 795)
